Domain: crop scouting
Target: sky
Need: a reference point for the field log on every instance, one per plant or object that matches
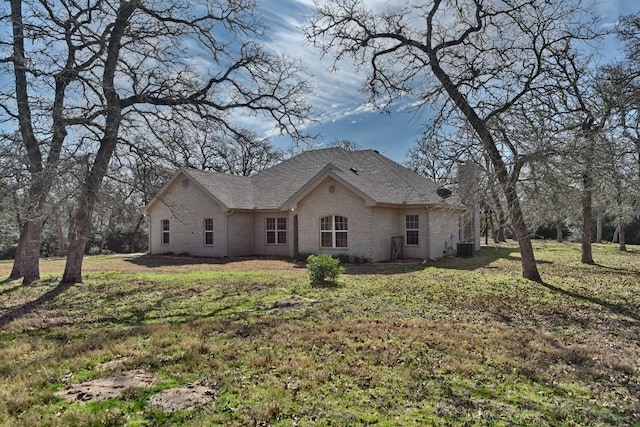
(339, 104)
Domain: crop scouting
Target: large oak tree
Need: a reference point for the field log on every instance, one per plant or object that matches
(87, 75)
(478, 58)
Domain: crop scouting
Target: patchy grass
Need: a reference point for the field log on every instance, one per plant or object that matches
(456, 342)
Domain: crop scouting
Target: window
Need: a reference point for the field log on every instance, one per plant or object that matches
(165, 231)
(412, 227)
(208, 232)
(276, 231)
(333, 232)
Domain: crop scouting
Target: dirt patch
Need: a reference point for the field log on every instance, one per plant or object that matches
(107, 387)
(175, 399)
(291, 303)
(182, 398)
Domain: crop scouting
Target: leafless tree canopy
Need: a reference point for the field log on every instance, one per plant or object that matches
(478, 60)
(88, 75)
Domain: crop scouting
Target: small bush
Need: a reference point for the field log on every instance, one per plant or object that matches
(323, 269)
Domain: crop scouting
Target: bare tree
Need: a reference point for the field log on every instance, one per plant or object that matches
(202, 144)
(125, 65)
(624, 81)
(145, 69)
(347, 144)
(40, 109)
(485, 58)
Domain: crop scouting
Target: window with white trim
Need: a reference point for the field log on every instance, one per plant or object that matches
(412, 228)
(333, 232)
(276, 231)
(208, 231)
(164, 225)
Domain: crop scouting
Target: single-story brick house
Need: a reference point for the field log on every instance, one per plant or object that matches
(334, 201)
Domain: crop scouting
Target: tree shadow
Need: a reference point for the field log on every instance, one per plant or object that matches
(617, 270)
(153, 261)
(19, 311)
(611, 307)
(480, 259)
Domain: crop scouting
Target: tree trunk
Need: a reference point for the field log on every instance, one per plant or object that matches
(599, 229)
(78, 237)
(623, 244)
(134, 236)
(494, 232)
(81, 222)
(587, 216)
(105, 232)
(80, 226)
(488, 225)
(559, 232)
(529, 267)
(27, 259)
(500, 217)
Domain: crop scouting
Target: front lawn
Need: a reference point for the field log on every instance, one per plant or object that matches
(455, 342)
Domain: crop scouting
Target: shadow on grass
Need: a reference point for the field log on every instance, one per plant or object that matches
(481, 259)
(326, 285)
(608, 269)
(152, 261)
(613, 308)
(19, 311)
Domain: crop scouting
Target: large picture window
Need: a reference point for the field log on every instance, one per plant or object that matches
(165, 231)
(208, 232)
(276, 231)
(412, 229)
(333, 232)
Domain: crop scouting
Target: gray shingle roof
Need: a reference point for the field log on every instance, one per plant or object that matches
(379, 178)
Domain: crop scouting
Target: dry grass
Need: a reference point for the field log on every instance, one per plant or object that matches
(458, 342)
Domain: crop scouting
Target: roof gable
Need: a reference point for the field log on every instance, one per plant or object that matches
(329, 171)
(188, 175)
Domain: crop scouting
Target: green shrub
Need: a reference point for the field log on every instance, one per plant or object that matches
(323, 269)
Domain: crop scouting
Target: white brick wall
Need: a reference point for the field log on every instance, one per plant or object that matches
(186, 206)
(260, 229)
(369, 228)
(444, 231)
(240, 234)
(385, 226)
(343, 202)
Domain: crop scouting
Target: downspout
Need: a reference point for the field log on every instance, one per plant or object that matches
(149, 236)
(226, 224)
(428, 234)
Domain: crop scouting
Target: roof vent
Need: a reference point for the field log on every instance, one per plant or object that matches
(443, 192)
(354, 170)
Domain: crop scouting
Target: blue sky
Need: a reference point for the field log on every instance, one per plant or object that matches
(338, 101)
